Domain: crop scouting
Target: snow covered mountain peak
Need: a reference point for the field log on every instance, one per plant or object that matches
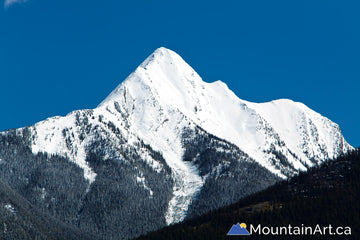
(162, 56)
(164, 83)
(167, 117)
(166, 74)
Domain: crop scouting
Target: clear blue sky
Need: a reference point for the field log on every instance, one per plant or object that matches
(60, 55)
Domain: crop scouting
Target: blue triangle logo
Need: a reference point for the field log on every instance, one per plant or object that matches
(238, 230)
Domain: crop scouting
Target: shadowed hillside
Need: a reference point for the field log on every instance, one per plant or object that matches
(21, 220)
(328, 194)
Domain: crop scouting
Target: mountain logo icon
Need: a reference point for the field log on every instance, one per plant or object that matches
(238, 229)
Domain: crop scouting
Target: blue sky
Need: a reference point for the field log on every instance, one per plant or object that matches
(60, 55)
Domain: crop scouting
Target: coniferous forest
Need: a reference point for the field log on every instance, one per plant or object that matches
(326, 194)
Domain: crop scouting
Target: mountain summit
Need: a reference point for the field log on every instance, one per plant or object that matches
(164, 85)
(165, 145)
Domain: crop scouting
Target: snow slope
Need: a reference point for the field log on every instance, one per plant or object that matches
(165, 78)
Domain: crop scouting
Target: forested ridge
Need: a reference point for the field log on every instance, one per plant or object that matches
(325, 194)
